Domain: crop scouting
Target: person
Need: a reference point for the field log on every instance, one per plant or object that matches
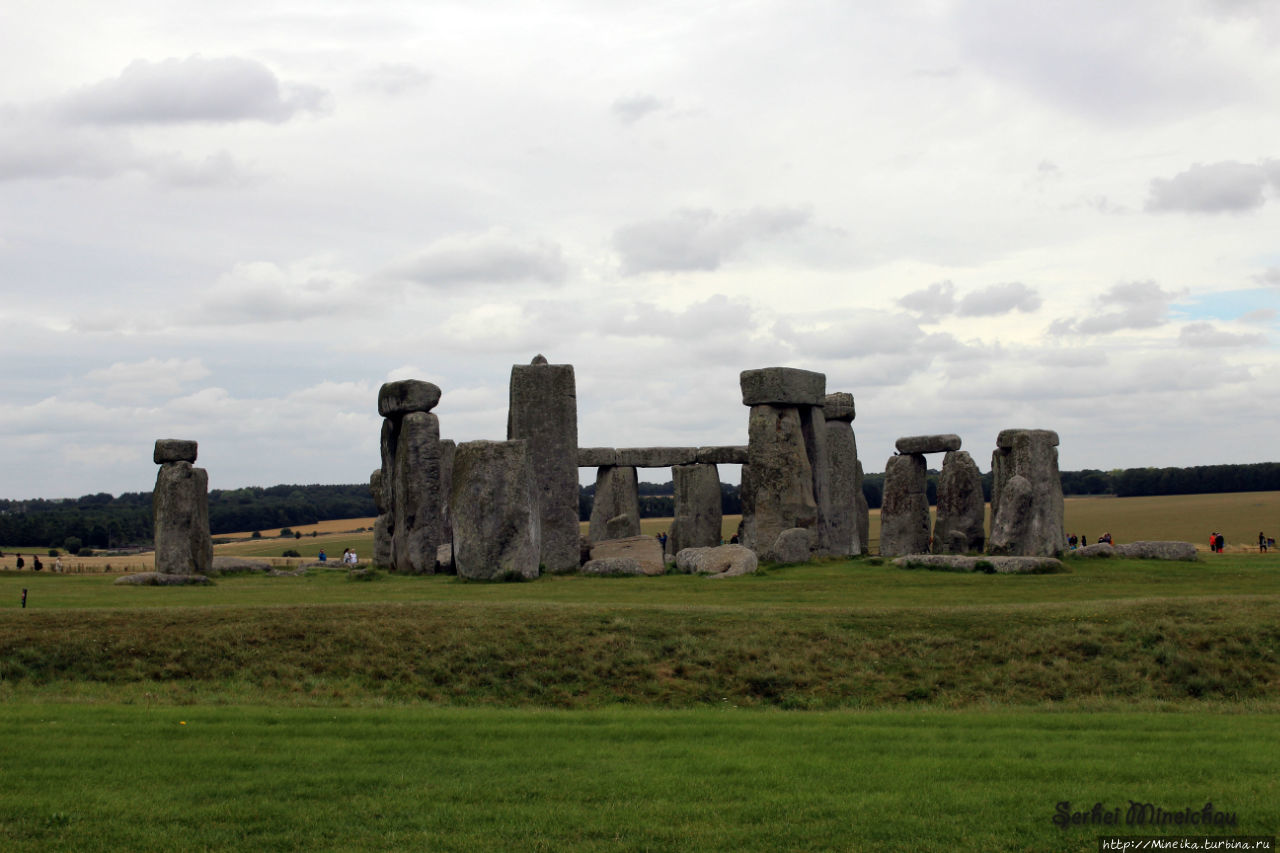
(1220, 542)
(324, 558)
(57, 564)
(35, 563)
(1262, 542)
(1071, 541)
(346, 556)
(21, 562)
(1106, 537)
(351, 558)
(1213, 541)
(662, 540)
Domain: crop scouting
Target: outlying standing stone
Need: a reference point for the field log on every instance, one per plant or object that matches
(493, 504)
(904, 512)
(180, 506)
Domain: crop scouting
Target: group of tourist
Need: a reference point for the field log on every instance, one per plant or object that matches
(1216, 542)
(36, 565)
(1081, 540)
(348, 557)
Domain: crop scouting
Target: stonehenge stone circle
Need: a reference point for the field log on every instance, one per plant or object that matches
(697, 508)
(493, 505)
(863, 517)
(1026, 520)
(928, 443)
(544, 412)
(839, 406)
(180, 507)
(960, 527)
(904, 512)
(615, 512)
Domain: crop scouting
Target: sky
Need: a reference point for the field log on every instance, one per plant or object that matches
(232, 222)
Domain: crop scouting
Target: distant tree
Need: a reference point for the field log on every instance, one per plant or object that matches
(297, 535)
(286, 533)
(72, 545)
(256, 535)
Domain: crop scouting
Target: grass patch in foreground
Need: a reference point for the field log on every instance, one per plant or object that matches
(110, 778)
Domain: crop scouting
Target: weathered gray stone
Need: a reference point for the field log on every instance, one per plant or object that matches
(1007, 438)
(782, 386)
(722, 561)
(1100, 549)
(960, 527)
(863, 517)
(814, 428)
(778, 492)
(493, 505)
(444, 557)
(180, 508)
(904, 511)
(724, 455)
(991, 564)
(448, 447)
(613, 566)
(615, 511)
(161, 579)
(544, 412)
(1033, 456)
(655, 457)
(928, 443)
(843, 536)
(405, 396)
(226, 565)
(174, 450)
(1148, 550)
(645, 550)
(596, 457)
(415, 487)
(792, 546)
(377, 489)
(382, 547)
(839, 407)
(698, 516)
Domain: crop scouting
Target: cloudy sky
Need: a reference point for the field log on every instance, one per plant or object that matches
(232, 221)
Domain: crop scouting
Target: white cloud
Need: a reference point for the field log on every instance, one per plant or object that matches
(700, 239)
(395, 78)
(938, 300)
(146, 379)
(1225, 187)
(1127, 305)
(492, 258)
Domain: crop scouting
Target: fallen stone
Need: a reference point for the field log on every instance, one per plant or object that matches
(960, 526)
(723, 455)
(782, 386)
(655, 457)
(544, 412)
(161, 579)
(596, 457)
(405, 396)
(792, 546)
(838, 407)
(615, 566)
(1147, 550)
(994, 565)
(493, 505)
(697, 516)
(904, 511)
(1100, 549)
(174, 450)
(236, 565)
(721, 561)
(928, 443)
(645, 550)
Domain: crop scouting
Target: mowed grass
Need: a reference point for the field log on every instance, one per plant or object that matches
(252, 778)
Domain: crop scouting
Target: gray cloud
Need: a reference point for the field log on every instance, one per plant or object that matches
(395, 79)
(1128, 305)
(933, 302)
(700, 239)
(492, 258)
(195, 89)
(1271, 275)
(1207, 335)
(1225, 187)
(1261, 315)
(632, 108)
(938, 300)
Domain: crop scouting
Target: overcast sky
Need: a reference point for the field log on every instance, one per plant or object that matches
(232, 221)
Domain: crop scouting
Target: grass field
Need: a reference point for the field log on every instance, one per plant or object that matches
(840, 705)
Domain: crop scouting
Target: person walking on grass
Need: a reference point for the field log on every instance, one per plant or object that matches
(1262, 542)
(1220, 541)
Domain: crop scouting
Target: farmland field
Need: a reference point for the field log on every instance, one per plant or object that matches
(843, 704)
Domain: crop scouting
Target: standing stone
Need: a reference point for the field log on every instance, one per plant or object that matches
(781, 478)
(1027, 521)
(544, 412)
(416, 494)
(813, 426)
(382, 524)
(180, 507)
(697, 508)
(863, 517)
(960, 527)
(448, 447)
(615, 511)
(493, 505)
(843, 538)
(904, 514)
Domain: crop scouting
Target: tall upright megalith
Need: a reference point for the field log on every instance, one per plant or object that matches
(543, 412)
(615, 510)
(960, 527)
(493, 506)
(180, 506)
(410, 482)
(843, 532)
(1026, 494)
(904, 512)
(698, 512)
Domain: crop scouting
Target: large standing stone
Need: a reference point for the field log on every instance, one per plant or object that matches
(180, 506)
(843, 536)
(615, 511)
(493, 505)
(416, 494)
(960, 527)
(904, 513)
(782, 386)
(780, 480)
(814, 427)
(1036, 529)
(697, 508)
(544, 412)
(448, 448)
(382, 549)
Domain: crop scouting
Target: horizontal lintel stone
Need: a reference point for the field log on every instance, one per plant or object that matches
(655, 457)
(174, 450)
(928, 443)
(1007, 436)
(782, 386)
(405, 396)
(596, 457)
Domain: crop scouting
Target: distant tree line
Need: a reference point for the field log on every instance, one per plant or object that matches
(102, 521)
